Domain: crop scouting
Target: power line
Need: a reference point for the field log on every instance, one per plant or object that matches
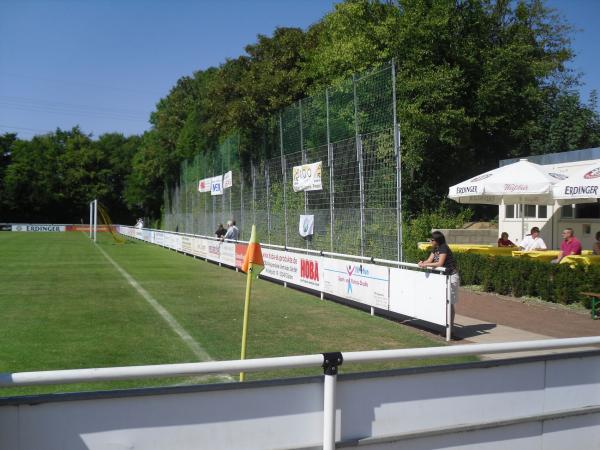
(30, 100)
(25, 129)
(70, 83)
(72, 112)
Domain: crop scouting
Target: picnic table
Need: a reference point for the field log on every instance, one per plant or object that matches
(595, 302)
(586, 258)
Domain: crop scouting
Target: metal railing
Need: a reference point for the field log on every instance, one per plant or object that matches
(328, 361)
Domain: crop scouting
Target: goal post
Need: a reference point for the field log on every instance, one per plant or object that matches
(93, 219)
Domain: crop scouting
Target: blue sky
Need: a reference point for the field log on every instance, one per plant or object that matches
(103, 64)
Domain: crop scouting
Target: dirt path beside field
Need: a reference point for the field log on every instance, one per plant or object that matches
(542, 319)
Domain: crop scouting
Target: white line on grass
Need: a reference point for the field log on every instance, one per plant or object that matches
(194, 346)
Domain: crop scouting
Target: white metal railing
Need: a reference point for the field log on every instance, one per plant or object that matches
(307, 251)
(329, 361)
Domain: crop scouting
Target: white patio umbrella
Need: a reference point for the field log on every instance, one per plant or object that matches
(581, 187)
(521, 183)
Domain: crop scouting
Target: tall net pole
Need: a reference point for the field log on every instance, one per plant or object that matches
(398, 155)
(330, 164)
(359, 159)
(284, 176)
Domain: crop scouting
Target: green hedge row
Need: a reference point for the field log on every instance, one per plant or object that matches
(557, 283)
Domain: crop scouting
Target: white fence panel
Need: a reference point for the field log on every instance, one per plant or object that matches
(363, 283)
(418, 294)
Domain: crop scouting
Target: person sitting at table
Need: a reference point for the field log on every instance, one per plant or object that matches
(596, 247)
(569, 246)
(504, 241)
(533, 241)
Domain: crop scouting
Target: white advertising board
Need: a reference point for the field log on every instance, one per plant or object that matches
(177, 242)
(37, 228)
(418, 294)
(227, 253)
(227, 180)
(216, 186)
(159, 238)
(186, 244)
(363, 283)
(169, 240)
(294, 268)
(139, 233)
(204, 185)
(213, 250)
(198, 247)
(307, 177)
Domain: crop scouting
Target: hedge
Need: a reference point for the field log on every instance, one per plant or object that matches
(557, 283)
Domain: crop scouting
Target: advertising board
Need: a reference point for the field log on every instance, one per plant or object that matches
(199, 247)
(363, 283)
(186, 244)
(159, 238)
(418, 294)
(213, 250)
(295, 268)
(37, 228)
(227, 253)
(240, 252)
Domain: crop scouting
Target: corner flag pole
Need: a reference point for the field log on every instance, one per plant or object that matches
(253, 257)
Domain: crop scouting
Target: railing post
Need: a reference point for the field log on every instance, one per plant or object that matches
(331, 361)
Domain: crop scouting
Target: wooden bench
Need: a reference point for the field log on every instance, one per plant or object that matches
(595, 302)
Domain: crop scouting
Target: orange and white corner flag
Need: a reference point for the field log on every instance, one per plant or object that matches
(253, 253)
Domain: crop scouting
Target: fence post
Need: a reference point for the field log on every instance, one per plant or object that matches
(331, 361)
(398, 167)
(229, 169)
(360, 170)
(242, 223)
(303, 154)
(283, 172)
(268, 183)
(330, 164)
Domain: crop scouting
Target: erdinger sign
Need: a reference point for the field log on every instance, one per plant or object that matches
(466, 190)
(38, 228)
(575, 191)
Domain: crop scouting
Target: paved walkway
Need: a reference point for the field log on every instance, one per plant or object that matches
(486, 318)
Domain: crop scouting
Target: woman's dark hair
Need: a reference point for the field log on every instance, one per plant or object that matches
(438, 237)
(504, 233)
(535, 230)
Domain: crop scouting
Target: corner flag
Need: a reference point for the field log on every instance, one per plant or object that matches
(252, 257)
(253, 253)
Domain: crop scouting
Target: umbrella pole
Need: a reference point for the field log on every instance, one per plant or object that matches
(522, 221)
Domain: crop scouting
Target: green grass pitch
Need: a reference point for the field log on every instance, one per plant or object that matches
(63, 305)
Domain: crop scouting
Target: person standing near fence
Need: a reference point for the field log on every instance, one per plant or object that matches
(233, 233)
(220, 232)
(442, 256)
